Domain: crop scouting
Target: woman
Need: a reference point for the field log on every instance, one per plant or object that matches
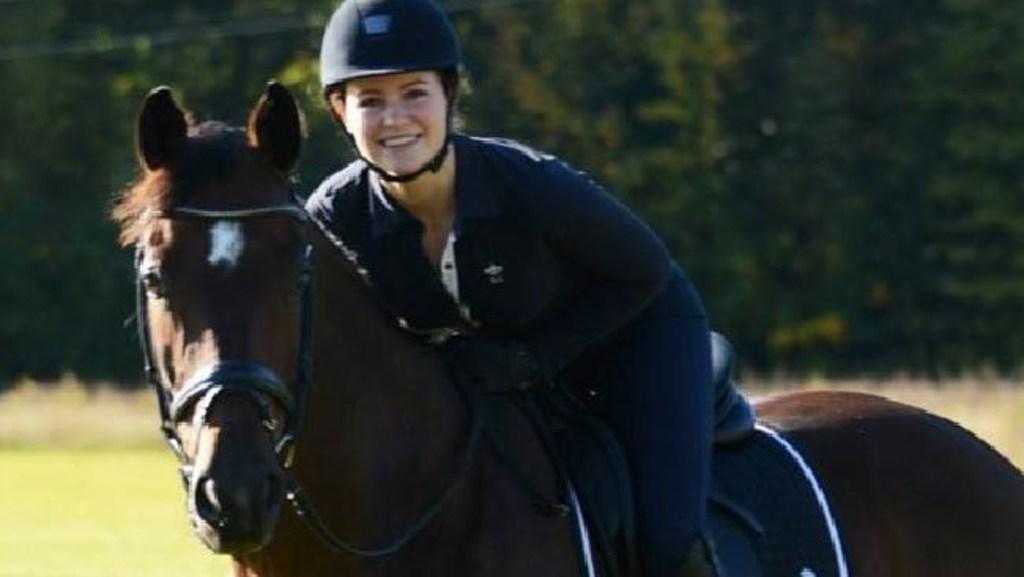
(492, 247)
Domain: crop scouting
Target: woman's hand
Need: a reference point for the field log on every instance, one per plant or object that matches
(498, 365)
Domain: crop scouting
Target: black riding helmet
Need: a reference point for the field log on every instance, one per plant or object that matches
(373, 37)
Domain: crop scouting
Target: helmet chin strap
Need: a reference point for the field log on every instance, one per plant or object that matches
(433, 165)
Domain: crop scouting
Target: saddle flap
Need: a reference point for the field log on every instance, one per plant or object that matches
(766, 515)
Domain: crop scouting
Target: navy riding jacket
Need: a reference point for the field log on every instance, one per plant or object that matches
(543, 253)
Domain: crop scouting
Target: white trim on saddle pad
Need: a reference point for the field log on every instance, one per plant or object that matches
(819, 494)
(812, 480)
(581, 526)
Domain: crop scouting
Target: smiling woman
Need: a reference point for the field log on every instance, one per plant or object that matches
(509, 260)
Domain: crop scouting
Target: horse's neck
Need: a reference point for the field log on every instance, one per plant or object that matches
(384, 439)
(383, 421)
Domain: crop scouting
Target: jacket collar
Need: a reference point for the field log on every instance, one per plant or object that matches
(386, 216)
(474, 193)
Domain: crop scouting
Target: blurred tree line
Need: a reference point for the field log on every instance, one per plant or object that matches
(843, 179)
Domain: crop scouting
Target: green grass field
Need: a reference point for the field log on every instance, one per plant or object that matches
(88, 490)
(96, 513)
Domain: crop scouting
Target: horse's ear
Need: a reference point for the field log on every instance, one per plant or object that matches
(161, 129)
(275, 126)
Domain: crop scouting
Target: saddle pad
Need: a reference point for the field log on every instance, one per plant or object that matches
(767, 477)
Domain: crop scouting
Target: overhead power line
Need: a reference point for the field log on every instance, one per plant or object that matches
(208, 32)
(192, 33)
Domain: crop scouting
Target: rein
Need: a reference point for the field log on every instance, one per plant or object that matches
(305, 510)
(259, 382)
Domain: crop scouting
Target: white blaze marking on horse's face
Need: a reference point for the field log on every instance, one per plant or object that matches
(226, 244)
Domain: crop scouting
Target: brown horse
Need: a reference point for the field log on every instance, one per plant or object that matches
(389, 476)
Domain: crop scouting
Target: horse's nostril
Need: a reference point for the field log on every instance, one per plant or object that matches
(207, 504)
(210, 492)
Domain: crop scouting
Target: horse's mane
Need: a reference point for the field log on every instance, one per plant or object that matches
(212, 151)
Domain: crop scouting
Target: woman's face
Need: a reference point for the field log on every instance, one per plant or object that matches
(398, 121)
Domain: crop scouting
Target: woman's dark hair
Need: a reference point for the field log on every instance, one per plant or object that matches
(451, 82)
(450, 79)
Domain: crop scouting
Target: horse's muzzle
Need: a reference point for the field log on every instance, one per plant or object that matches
(235, 516)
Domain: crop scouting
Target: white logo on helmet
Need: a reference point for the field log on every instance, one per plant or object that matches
(379, 24)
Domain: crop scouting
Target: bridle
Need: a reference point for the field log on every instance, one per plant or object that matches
(246, 377)
(260, 382)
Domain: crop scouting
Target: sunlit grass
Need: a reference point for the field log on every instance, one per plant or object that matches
(96, 513)
(87, 488)
(67, 413)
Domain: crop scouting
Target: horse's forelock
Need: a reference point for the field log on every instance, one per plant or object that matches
(212, 129)
(214, 152)
(151, 192)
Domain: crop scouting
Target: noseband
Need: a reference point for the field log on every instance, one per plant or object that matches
(253, 379)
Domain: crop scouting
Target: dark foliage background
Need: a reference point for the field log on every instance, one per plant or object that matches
(844, 180)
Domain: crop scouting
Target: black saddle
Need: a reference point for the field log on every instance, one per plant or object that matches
(764, 517)
(596, 466)
(734, 417)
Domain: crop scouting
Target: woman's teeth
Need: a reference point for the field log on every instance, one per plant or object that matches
(398, 141)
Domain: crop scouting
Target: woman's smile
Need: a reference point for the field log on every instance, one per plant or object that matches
(399, 141)
(402, 141)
